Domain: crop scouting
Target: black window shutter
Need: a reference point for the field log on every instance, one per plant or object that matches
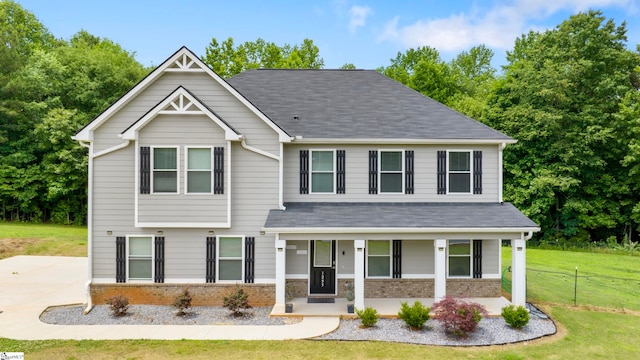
(477, 259)
(373, 172)
(159, 259)
(397, 259)
(249, 259)
(211, 259)
(145, 170)
(121, 259)
(304, 171)
(340, 172)
(442, 172)
(408, 172)
(477, 172)
(218, 170)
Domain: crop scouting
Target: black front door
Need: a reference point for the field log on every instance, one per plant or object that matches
(323, 267)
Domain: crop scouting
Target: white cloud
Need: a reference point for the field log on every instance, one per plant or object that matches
(496, 27)
(358, 17)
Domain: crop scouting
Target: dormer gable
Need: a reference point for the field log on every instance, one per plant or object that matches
(181, 102)
(183, 60)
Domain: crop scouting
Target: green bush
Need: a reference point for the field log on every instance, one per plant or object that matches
(182, 302)
(368, 316)
(458, 317)
(118, 305)
(236, 300)
(414, 316)
(516, 317)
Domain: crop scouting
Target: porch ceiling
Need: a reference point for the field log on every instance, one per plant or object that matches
(407, 217)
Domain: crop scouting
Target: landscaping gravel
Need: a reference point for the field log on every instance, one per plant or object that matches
(490, 331)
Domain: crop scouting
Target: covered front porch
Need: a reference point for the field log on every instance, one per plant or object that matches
(386, 307)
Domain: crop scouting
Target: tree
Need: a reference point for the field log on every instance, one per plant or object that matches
(227, 60)
(561, 97)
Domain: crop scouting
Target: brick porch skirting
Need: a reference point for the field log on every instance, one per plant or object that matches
(164, 294)
(474, 287)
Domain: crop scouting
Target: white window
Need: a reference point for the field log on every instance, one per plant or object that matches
(230, 258)
(378, 258)
(199, 170)
(459, 258)
(165, 169)
(459, 172)
(322, 171)
(391, 171)
(140, 258)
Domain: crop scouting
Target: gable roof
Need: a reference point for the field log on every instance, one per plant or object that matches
(355, 104)
(398, 217)
(181, 102)
(183, 60)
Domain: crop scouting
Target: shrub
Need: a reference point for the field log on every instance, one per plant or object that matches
(118, 305)
(368, 316)
(516, 317)
(182, 302)
(414, 316)
(458, 317)
(236, 300)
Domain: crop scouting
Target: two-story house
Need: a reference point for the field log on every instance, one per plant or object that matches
(305, 178)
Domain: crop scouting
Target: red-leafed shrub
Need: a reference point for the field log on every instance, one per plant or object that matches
(458, 317)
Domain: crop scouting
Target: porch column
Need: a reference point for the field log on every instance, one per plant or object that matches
(518, 272)
(440, 268)
(281, 259)
(358, 281)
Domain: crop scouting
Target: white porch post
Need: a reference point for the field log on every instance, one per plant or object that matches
(358, 281)
(440, 267)
(518, 272)
(281, 258)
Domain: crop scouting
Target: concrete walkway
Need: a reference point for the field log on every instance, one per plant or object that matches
(30, 284)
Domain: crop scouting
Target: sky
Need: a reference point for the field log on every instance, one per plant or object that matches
(366, 33)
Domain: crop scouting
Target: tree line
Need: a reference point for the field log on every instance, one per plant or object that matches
(569, 95)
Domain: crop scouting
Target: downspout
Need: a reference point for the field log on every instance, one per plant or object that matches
(90, 213)
(528, 236)
(87, 285)
(243, 142)
(500, 171)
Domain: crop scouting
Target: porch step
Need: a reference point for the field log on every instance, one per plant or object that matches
(321, 300)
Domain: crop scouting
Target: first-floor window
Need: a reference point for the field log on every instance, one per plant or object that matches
(165, 170)
(140, 257)
(460, 258)
(230, 255)
(379, 258)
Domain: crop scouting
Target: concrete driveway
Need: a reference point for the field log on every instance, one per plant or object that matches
(30, 284)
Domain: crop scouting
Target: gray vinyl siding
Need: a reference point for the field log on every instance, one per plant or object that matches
(183, 131)
(254, 187)
(345, 257)
(357, 175)
(491, 257)
(418, 257)
(298, 258)
(218, 99)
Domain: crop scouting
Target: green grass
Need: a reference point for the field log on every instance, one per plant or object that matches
(604, 280)
(42, 239)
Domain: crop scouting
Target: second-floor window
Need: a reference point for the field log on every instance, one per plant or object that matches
(391, 171)
(199, 171)
(165, 170)
(459, 172)
(322, 171)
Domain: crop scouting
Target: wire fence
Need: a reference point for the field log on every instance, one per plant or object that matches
(573, 288)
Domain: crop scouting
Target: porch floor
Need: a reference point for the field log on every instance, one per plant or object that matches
(386, 307)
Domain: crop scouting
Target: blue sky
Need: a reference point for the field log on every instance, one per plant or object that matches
(367, 33)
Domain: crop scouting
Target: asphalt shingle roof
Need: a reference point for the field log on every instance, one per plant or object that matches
(398, 215)
(357, 104)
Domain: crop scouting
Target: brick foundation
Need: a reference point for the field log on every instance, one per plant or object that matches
(164, 294)
(398, 288)
(474, 287)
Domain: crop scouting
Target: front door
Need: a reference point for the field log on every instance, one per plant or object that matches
(323, 267)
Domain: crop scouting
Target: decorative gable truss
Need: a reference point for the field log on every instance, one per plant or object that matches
(184, 63)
